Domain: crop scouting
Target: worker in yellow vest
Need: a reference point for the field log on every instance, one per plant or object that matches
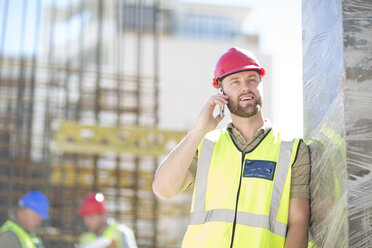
(251, 186)
(102, 233)
(18, 232)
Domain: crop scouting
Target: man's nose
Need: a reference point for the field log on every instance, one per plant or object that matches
(246, 87)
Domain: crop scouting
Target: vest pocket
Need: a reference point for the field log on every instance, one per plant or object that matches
(259, 169)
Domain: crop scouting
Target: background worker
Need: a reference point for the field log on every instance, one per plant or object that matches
(102, 232)
(251, 188)
(18, 231)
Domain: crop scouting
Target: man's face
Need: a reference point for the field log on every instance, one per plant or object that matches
(244, 92)
(30, 219)
(94, 222)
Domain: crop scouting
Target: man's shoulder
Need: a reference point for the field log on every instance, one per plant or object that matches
(125, 234)
(299, 145)
(215, 134)
(9, 239)
(9, 234)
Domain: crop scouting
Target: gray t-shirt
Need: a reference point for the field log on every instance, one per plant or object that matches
(9, 239)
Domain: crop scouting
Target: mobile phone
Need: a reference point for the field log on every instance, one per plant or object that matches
(222, 109)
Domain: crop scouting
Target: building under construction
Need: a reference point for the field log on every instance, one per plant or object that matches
(79, 105)
(78, 112)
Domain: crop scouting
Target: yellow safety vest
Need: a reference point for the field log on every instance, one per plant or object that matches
(89, 237)
(26, 240)
(241, 199)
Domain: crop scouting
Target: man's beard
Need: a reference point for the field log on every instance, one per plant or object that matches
(236, 109)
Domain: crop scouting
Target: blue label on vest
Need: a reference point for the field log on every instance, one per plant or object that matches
(259, 168)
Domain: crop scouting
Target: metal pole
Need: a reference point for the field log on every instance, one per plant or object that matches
(139, 30)
(46, 156)
(156, 110)
(75, 157)
(16, 148)
(8, 115)
(67, 65)
(82, 62)
(98, 83)
(119, 24)
(33, 77)
(65, 199)
(3, 33)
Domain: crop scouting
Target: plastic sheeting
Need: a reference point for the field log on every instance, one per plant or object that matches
(337, 37)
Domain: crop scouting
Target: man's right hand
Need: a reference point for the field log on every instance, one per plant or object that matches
(174, 174)
(206, 122)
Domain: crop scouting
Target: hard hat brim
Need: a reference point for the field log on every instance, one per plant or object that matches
(244, 68)
(260, 70)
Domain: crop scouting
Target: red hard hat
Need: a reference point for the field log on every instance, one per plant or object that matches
(93, 204)
(235, 60)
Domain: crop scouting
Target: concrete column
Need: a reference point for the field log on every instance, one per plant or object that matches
(337, 66)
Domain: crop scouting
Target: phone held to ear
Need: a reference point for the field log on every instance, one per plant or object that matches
(222, 109)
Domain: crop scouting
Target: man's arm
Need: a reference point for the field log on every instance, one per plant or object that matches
(298, 221)
(173, 174)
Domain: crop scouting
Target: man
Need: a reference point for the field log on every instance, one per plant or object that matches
(102, 233)
(251, 188)
(18, 232)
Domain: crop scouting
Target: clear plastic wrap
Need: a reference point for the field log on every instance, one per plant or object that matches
(337, 38)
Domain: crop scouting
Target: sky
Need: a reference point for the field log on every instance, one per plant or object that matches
(278, 24)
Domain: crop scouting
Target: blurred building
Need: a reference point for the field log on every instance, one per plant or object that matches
(105, 66)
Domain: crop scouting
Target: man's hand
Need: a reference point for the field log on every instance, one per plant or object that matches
(174, 174)
(206, 121)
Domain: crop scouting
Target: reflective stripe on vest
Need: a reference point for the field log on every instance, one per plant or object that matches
(110, 233)
(89, 237)
(201, 216)
(24, 238)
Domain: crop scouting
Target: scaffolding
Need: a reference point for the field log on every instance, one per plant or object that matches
(93, 65)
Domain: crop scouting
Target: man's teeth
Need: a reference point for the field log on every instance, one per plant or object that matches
(247, 98)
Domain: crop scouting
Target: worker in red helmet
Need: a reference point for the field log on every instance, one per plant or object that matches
(251, 186)
(19, 230)
(103, 233)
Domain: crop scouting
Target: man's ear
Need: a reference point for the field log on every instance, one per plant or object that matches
(220, 90)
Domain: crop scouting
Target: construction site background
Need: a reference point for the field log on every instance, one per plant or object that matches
(80, 103)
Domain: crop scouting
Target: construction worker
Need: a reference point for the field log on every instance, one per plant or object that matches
(103, 233)
(251, 187)
(18, 232)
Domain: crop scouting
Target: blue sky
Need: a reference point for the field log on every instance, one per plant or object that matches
(17, 41)
(16, 22)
